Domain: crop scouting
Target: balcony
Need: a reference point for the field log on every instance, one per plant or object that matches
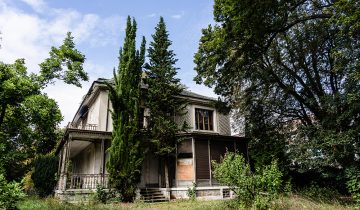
(91, 127)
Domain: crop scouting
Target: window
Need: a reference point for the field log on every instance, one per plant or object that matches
(204, 119)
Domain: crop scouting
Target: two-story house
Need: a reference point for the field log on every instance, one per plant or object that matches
(83, 150)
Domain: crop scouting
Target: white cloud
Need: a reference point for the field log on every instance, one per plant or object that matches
(201, 89)
(151, 15)
(178, 16)
(30, 36)
(38, 6)
(68, 98)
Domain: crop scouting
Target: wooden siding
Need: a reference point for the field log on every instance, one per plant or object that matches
(224, 124)
(202, 159)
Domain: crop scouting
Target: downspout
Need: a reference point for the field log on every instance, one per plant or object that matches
(107, 114)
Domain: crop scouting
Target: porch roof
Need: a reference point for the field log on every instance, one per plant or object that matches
(83, 135)
(214, 136)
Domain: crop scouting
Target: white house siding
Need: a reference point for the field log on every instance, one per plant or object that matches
(103, 110)
(224, 124)
(88, 161)
(110, 121)
(186, 117)
(94, 112)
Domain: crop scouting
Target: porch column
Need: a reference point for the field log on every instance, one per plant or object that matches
(64, 166)
(102, 163)
(210, 182)
(194, 157)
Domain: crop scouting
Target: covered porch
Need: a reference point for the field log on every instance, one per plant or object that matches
(82, 160)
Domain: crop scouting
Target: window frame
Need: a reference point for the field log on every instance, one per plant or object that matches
(206, 122)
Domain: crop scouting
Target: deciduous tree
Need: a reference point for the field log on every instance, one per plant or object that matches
(28, 117)
(298, 61)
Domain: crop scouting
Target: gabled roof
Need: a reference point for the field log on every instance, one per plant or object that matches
(100, 83)
(186, 93)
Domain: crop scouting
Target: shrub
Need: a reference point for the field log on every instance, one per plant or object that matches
(28, 184)
(44, 176)
(315, 192)
(101, 195)
(191, 192)
(10, 194)
(253, 189)
(353, 183)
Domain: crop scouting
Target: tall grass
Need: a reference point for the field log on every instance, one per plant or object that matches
(293, 201)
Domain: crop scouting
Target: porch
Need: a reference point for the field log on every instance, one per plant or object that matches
(87, 181)
(82, 158)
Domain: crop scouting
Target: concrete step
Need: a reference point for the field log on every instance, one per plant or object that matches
(152, 195)
(156, 200)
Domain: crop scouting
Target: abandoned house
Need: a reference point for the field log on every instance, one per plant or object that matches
(83, 151)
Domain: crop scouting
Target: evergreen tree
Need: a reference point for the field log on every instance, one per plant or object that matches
(162, 96)
(126, 157)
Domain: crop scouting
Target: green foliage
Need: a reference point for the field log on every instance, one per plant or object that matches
(163, 91)
(317, 193)
(64, 57)
(44, 175)
(10, 193)
(353, 183)
(291, 68)
(257, 189)
(162, 94)
(28, 184)
(101, 195)
(191, 192)
(28, 117)
(126, 154)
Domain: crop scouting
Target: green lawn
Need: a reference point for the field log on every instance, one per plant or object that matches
(292, 202)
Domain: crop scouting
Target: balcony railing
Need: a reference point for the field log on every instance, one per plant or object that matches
(93, 127)
(87, 181)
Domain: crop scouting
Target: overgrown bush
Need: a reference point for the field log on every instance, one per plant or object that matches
(319, 193)
(101, 195)
(44, 175)
(191, 192)
(28, 184)
(10, 194)
(256, 189)
(353, 183)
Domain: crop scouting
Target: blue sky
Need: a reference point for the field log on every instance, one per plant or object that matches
(30, 27)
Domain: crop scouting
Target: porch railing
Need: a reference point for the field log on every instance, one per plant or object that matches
(87, 181)
(93, 127)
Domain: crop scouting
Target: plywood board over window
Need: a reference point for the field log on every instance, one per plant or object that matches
(185, 161)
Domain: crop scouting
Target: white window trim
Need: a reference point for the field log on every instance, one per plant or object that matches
(215, 119)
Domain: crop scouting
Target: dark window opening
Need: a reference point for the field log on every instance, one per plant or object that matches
(204, 119)
(185, 155)
(141, 118)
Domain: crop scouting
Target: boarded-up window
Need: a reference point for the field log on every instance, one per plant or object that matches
(202, 159)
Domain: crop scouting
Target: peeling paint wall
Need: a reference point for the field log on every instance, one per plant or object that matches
(88, 161)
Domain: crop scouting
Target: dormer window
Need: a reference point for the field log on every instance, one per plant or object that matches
(204, 119)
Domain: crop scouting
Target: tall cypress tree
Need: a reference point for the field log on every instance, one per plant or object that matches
(162, 97)
(125, 161)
